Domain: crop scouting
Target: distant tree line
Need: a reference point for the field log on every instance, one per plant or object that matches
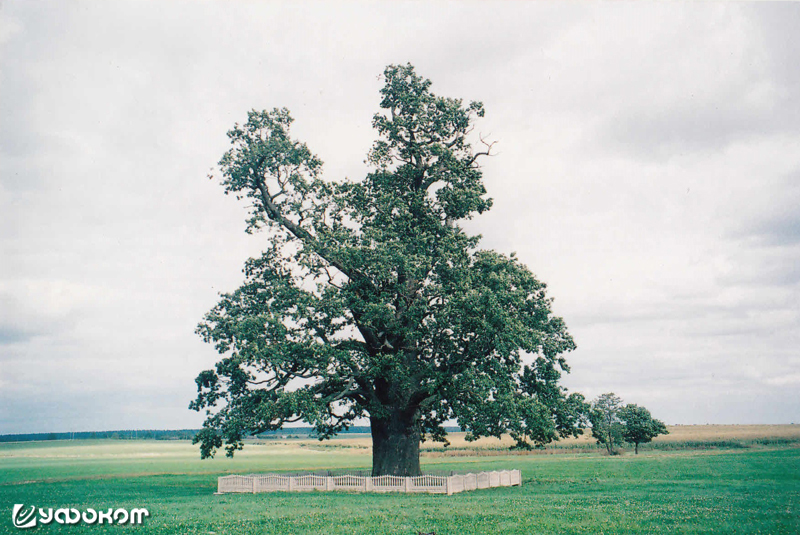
(168, 434)
(125, 434)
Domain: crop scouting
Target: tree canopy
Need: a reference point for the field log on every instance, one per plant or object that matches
(371, 301)
(607, 428)
(639, 427)
(613, 423)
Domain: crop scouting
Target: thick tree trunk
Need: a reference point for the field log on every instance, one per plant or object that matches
(395, 446)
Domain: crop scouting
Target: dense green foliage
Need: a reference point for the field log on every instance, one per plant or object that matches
(607, 428)
(371, 300)
(753, 491)
(638, 426)
(613, 423)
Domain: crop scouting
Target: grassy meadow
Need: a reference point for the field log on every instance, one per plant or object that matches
(698, 479)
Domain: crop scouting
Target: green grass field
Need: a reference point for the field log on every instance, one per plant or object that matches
(753, 489)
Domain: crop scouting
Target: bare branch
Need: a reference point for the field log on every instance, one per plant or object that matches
(330, 278)
(487, 152)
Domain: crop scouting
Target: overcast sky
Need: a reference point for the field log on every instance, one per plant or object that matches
(647, 170)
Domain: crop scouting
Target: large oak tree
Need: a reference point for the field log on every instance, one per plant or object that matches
(370, 300)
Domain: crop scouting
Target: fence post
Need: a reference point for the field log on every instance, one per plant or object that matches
(447, 486)
(368, 484)
(407, 484)
(291, 483)
(253, 480)
(329, 483)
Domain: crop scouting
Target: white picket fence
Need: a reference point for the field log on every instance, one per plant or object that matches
(426, 483)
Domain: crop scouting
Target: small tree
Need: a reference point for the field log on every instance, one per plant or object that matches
(607, 428)
(639, 427)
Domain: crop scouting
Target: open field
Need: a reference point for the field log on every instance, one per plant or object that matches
(754, 489)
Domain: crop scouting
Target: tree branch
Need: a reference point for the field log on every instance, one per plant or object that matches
(487, 152)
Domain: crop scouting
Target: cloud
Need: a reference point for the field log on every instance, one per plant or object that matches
(775, 222)
(646, 170)
(783, 229)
